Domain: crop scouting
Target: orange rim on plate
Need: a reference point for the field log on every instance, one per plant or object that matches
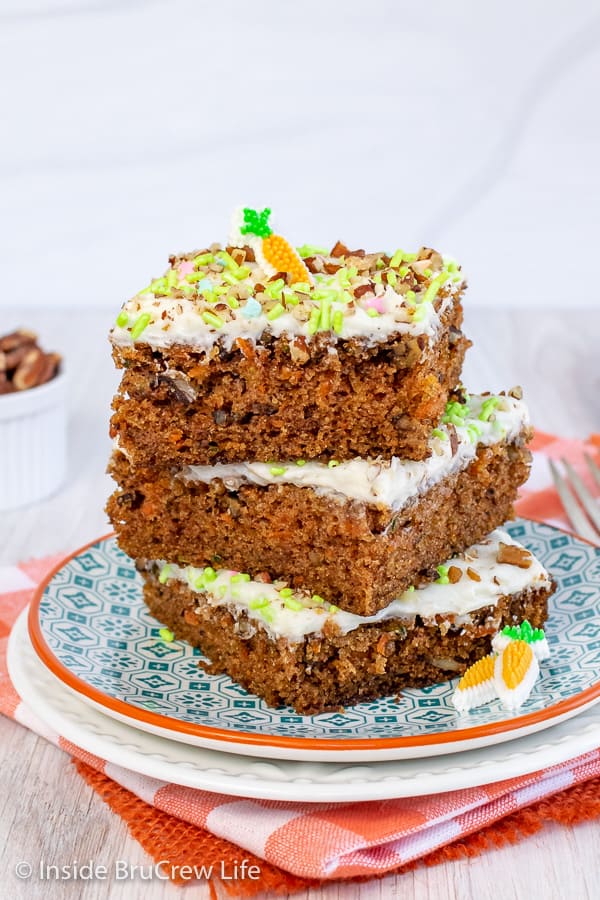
(208, 732)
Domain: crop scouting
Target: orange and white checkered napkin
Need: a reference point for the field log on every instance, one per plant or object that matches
(308, 843)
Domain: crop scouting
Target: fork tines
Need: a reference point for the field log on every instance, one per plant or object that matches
(573, 492)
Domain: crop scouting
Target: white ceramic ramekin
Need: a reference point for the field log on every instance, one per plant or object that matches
(33, 444)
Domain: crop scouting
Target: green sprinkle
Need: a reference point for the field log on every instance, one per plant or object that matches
(233, 303)
(338, 321)
(443, 573)
(377, 278)
(229, 278)
(274, 289)
(140, 325)
(333, 608)
(403, 271)
(164, 574)
(301, 286)
(240, 577)
(420, 313)
(379, 264)
(317, 599)
(172, 278)
(434, 287)
(410, 296)
(474, 432)
(325, 320)
(428, 273)
(212, 319)
(410, 257)
(199, 583)
(410, 588)
(292, 603)
(274, 313)
(209, 574)
(397, 258)
(300, 462)
(310, 250)
(205, 259)
(332, 463)
(122, 319)
(438, 433)
(487, 408)
(392, 278)
(159, 286)
(277, 470)
(166, 635)
(286, 592)
(290, 297)
(452, 266)
(267, 614)
(372, 312)
(259, 603)
(313, 322)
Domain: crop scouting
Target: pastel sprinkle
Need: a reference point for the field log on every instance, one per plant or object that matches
(186, 267)
(277, 470)
(377, 303)
(252, 309)
(122, 319)
(166, 635)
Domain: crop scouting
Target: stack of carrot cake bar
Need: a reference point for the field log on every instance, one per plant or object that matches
(311, 495)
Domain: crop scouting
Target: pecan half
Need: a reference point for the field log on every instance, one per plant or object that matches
(35, 368)
(514, 556)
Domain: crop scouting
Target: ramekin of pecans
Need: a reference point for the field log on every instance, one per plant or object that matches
(32, 420)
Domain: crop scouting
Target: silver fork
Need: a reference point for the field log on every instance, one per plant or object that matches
(572, 489)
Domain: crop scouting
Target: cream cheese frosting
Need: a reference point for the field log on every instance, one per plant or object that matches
(482, 421)
(292, 614)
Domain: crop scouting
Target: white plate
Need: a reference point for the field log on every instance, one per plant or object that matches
(286, 780)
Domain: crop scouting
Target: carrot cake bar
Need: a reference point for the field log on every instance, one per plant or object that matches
(258, 351)
(359, 532)
(295, 648)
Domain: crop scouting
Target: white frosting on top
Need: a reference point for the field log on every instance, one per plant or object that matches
(390, 483)
(265, 605)
(179, 321)
(221, 296)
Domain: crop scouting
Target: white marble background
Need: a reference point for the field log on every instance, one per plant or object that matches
(131, 129)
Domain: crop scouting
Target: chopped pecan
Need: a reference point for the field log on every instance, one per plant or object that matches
(473, 575)
(339, 249)
(299, 350)
(363, 289)
(454, 574)
(514, 556)
(516, 392)
(453, 438)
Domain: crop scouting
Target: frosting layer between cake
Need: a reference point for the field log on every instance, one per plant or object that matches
(481, 579)
(484, 420)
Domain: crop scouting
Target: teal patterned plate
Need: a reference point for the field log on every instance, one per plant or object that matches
(90, 627)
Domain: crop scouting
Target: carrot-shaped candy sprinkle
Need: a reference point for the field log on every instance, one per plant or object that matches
(535, 637)
(272, 251)
(476, 686)
(515, 672)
